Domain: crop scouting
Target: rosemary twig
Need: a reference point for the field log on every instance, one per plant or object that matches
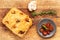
(48, 12)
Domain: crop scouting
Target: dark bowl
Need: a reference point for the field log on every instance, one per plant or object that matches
(45, 21)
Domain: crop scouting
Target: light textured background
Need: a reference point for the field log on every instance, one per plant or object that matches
(23, 3)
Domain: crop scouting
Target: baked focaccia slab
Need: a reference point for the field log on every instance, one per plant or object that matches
(17, 21)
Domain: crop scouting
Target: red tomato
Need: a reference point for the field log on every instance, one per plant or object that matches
(48, 32)
(51, 28)
(48, 24)
(41, 29)
(44, 33)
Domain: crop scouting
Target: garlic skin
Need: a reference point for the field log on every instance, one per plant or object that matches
(32, 6)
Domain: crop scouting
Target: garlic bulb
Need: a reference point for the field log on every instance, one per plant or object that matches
(32, 6)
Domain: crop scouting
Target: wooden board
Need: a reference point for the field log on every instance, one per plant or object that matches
(6, 34)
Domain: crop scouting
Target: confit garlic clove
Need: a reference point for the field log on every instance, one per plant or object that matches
(32, 6)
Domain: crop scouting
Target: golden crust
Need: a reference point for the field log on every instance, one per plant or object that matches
(17, 22)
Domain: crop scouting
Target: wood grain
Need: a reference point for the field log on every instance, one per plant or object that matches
(6, 34)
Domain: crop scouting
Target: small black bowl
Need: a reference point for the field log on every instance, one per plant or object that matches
(45, 21)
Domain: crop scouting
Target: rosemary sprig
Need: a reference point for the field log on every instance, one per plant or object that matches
(48, 12)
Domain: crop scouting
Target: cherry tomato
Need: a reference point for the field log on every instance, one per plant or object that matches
(44, 33)
(41, 30)
(48, 32)
(48, 24)
(51, 28)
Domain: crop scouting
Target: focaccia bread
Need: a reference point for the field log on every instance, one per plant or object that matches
(17, 22)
